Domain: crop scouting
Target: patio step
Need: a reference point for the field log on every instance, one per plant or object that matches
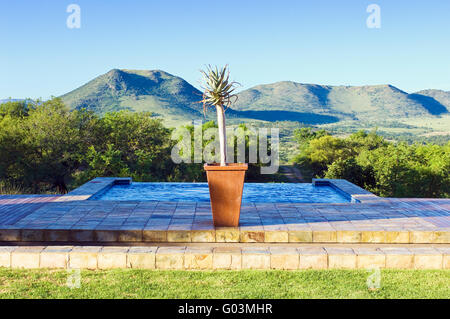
(228, 256)
(244, 234)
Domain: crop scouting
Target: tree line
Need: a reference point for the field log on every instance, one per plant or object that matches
(385, 168)
(45, 147)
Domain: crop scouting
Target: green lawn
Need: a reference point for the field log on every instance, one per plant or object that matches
(224, 284)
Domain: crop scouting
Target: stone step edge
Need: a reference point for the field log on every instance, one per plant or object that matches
(221, 258)
(229, 235)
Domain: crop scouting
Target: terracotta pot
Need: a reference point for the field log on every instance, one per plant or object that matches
(226, 184)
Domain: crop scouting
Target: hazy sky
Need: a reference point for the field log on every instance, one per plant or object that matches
(325, 42)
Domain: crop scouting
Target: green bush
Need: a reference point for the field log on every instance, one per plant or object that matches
(46, 148)
(385, 168)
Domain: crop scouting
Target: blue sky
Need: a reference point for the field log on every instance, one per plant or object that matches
(321, 41)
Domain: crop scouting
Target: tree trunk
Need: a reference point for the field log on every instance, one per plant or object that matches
(222, 135)
(60, 185)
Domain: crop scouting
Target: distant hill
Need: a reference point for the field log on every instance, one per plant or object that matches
(442, 97)
(175, 100)
(138, 90)
(343, 102)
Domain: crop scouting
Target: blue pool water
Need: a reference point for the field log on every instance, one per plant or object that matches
(199, 192)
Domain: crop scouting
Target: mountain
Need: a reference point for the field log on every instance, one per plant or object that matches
(442, 97)
(342, 102)
(175, 100)
(138, 90)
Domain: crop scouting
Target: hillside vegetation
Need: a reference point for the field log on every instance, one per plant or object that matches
(154, 91)
(45, 147)
(177, 102)
(343, 102)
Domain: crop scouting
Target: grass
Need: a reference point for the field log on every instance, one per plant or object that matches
(13, 189)
(224, 284)
(439, 124)
(10, 189)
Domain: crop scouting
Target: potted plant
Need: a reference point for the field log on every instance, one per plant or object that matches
(225, 180)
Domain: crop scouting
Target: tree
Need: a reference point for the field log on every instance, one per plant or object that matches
(130, 144)
(347, 169)
(17, 109)
(218, 93)
(52, 144)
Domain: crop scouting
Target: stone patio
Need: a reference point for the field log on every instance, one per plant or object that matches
(72, 231)
(389, 221)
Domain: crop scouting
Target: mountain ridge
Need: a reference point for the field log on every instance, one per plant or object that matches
(173, 98)
(358, 102)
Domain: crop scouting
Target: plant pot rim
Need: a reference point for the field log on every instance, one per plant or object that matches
(228, 167)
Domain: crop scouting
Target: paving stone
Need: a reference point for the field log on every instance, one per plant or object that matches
(142, 257)
(428, 262)
(397, 237)
(178, 236)
(10, 235)
(227, 235)
(341, 258)
(130, 235)
(251, 236)
(398, 257)
(154, 236)
(103, 236)
(255, 258)
(57, 235)
(284, 258)
(82, 235)
(227, 258)
(419, 237)
(32, 235)
(276, 236)
(348, 236)
(445, 251)
(84, 257)
(373, 237)
(170, 258)
(446, 262)
(112, 257)
(427, 258)
(198, 258)
(300, 236)
(441, 237)
(26, 257)
(5, 256)
(55, 257)
(367, 258)
(324, 236)
(313, 258)
(203, 236)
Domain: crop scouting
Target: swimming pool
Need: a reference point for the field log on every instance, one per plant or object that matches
(199, 192)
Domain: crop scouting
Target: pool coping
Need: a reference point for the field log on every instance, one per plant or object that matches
(95, 187)
(352, 192)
